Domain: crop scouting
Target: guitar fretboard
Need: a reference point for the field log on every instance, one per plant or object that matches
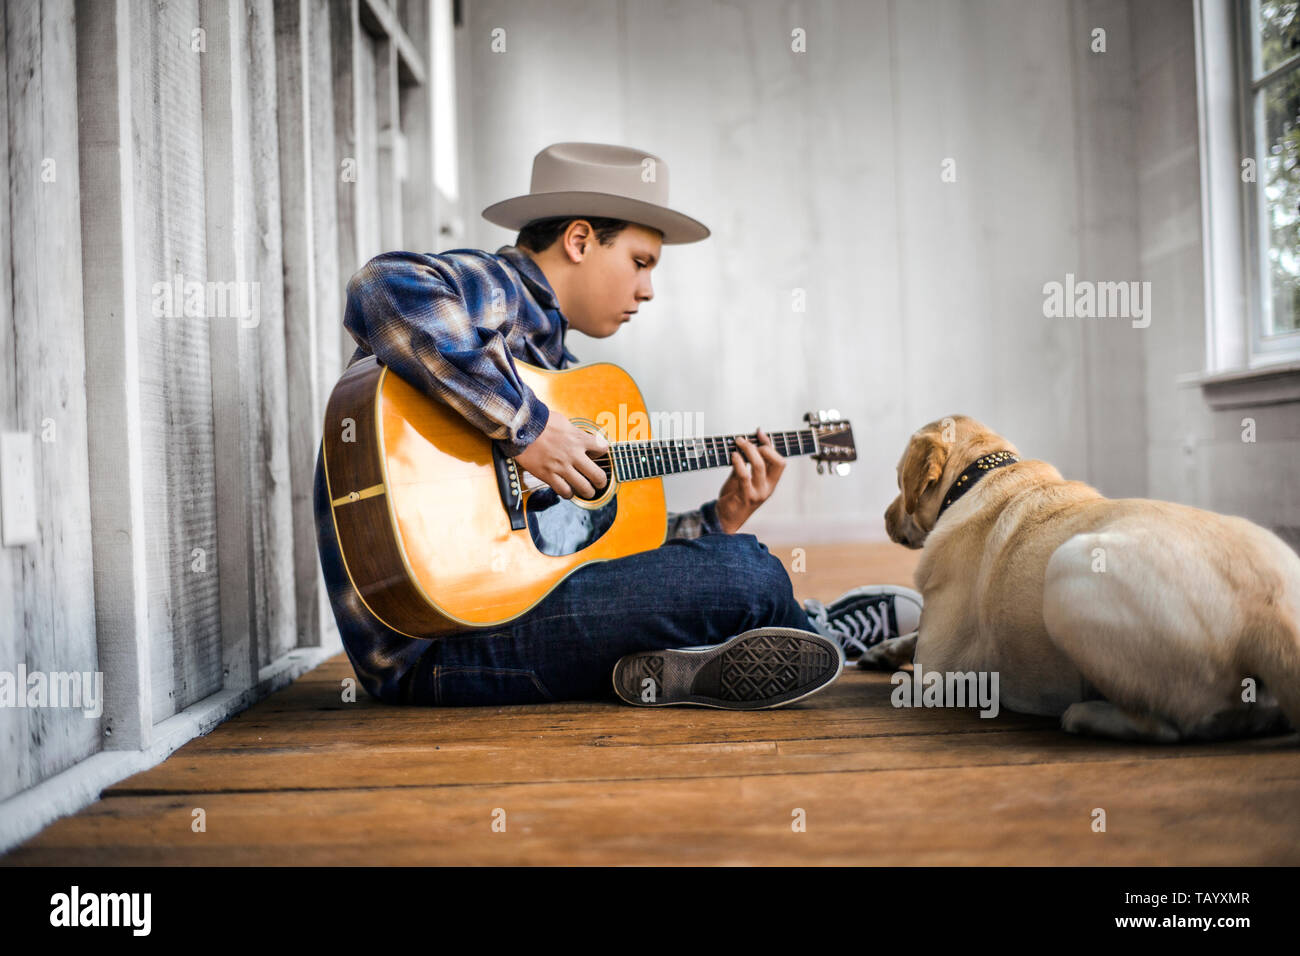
(653, 459)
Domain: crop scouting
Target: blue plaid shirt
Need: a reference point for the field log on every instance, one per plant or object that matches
(451, 325)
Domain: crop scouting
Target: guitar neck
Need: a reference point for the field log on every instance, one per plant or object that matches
(653, 459)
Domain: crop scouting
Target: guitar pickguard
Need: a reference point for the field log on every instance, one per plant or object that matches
(559, 527)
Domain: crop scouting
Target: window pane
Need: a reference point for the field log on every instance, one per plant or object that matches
(1279, 32)
(1282, 198)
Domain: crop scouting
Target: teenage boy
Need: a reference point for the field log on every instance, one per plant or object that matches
(708, 618)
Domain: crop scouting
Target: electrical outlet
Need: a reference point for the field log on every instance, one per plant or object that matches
(17, 488)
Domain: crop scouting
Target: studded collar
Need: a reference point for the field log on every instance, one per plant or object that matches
(977, 470)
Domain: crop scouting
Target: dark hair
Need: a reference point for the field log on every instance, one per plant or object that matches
(539, 235)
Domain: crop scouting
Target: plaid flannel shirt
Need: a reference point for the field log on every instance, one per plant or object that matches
(452, 324)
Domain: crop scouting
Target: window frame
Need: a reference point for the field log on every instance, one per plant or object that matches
(1262, 348)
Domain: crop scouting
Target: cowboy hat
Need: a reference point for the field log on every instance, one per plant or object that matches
(596, 179)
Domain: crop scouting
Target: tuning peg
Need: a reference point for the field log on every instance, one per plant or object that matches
(832, 413)
(821, 467)
(841, 468)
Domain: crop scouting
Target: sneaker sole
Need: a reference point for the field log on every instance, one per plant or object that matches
(759, 669)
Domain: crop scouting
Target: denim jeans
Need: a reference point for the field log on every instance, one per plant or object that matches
(687, 592)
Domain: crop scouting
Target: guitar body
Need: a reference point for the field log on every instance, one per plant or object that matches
(431, 536)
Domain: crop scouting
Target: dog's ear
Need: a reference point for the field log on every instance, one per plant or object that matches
(923, 467)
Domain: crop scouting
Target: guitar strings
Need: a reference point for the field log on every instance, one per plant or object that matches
(627, 453)
(705, 445)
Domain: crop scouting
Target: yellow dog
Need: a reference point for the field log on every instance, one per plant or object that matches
(1129, 618)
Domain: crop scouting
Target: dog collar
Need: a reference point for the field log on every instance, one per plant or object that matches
(977, 470)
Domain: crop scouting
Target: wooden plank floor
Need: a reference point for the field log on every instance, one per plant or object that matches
(302, 778)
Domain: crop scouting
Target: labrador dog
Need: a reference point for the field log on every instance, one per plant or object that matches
(1129, 618)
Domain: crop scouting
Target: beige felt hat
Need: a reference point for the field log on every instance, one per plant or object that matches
(596, 179)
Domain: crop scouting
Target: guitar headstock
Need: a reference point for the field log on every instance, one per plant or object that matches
(834, 438)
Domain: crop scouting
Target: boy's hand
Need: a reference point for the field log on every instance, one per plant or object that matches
(749, 484)
(561, 456)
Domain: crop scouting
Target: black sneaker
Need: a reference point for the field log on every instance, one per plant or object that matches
(864, 617)
(762, 668)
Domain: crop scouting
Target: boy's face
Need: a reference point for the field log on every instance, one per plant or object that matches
(611, 282)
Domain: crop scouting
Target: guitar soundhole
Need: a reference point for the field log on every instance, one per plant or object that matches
(558, 526)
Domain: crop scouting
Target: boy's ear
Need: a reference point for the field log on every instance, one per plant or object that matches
(926, 457)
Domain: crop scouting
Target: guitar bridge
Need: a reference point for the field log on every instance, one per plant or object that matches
(510, 487)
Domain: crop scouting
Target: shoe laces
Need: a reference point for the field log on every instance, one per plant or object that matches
(861, 627)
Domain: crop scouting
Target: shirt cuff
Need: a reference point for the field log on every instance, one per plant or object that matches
(709, 516)
(527, 434)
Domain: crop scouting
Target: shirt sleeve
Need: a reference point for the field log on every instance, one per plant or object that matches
(693, 524)
(444, 330)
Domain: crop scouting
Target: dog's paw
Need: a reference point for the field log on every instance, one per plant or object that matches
(1101, 718)
(890, 654)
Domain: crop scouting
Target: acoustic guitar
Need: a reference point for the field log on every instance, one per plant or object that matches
(440, 531)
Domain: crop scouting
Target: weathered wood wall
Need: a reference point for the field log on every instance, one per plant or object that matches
(175, 360)
(274, 599)
(263, 148)
(47, 609)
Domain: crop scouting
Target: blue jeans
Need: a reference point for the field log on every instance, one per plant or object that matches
(687, 592)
